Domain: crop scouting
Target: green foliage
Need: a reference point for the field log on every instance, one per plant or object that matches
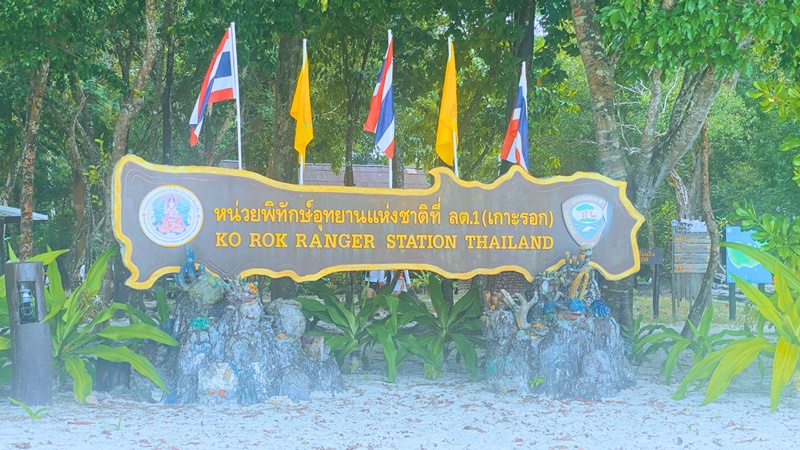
(352, 326)
(777, 234)
(693, 34)
(784, 98)
(457, 326)
(79, 334)
(535, 381)
(782, 311)
(396, 345)
(34, 415)
(655, 337)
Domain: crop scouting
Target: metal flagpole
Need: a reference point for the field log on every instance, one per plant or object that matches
(302, 155)
(389, 41)
(300, 170)
(236, 90)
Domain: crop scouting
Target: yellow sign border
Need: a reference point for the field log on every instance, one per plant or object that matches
(437, 173)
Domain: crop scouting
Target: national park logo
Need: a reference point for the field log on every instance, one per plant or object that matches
(170, 215)
(587, 218)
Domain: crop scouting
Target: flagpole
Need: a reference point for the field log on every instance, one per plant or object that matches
(302, 155)
(389, 41)
(236, 89)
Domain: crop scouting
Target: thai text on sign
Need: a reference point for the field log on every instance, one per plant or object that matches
(241, 223)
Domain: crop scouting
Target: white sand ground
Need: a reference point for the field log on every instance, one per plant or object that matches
(414, 413)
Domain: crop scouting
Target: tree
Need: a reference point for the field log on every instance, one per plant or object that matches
(627, 40)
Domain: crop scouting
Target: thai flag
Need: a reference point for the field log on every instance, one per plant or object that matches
(219, 84)
(515, 144)
(381, 109)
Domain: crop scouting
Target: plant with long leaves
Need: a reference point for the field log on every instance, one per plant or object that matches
(782, 310)
(396, 344)
(655, 337)
(80, 337)
(352, 325)
(458, 325)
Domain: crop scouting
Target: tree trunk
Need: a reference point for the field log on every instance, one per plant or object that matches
(81, 197)
(600, 77)
(283, 160)
(131, 105)
(704, 296)
(166, 95)
(29, 140)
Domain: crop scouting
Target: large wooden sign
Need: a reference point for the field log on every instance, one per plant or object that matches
(241, 223)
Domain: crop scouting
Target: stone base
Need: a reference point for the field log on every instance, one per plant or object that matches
(246, 356)
(571, 359)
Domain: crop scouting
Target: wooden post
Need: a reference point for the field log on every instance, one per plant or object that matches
(656, 290)
(732, 301)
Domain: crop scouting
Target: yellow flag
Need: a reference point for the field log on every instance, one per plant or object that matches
(447, 132)
(301, 110)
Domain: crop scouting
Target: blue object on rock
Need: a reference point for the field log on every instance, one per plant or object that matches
(600, 309)
(576, 306)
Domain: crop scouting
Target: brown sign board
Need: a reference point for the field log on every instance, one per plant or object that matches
(691, 252)
(651, 256)
(241, 223)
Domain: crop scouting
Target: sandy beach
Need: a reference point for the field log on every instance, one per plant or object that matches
(414, 413)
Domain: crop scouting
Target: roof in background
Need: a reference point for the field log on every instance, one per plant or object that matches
(363, 175)
(8, 211)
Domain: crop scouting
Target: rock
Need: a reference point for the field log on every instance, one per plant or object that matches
(572, 359)
(289, 318)
(245, 355)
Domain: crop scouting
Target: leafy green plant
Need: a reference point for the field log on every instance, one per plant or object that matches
(79, 336)
(117, 426)
(657, 337)
(352, 326)
(34, 415)
(535, 381)
(396, 345)
(782, 311)
(777, 235)
(421, 283)
(457, 326)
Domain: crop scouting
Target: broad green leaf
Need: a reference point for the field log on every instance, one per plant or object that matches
(5, 343)
(337, 342)
(162, 307)
(124, 354)
(784, 365)
(738, 357)
(55, 292)
(465, 303)
(437, 298)
(705, 321)
(137, 331)
(82, 381)
(96, 273)
(701, 370)
(390, 352)
(47, 258)
(785, 301)
(765, 306)
(672, 358)
(467, 351)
